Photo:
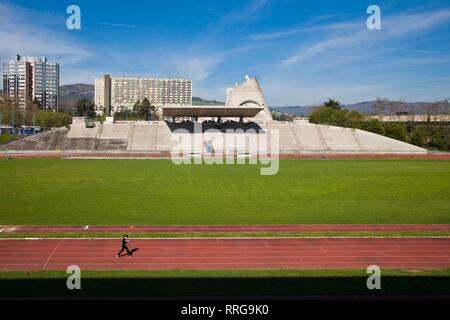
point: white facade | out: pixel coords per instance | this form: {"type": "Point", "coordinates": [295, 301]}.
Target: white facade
{"type": "Point", "coordinates": [102, 94]}
{"type": "Point", "coordinates": [249, 94]}
{"type": "Point", "coordinates": [126, 91]}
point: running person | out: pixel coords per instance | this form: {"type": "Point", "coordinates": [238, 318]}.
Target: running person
{"type": "Point", "coordinates": [125, 241]}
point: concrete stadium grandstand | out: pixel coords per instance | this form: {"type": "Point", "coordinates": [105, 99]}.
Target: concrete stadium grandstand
{"type": "Point", "coordinates": [245, 112]}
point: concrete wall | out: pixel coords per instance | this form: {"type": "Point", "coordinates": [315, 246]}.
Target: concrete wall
{"type": "Point", "coordinates": [159, 136]}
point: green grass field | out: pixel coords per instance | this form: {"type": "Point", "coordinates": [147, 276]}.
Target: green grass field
{"type": "Point", "coordinates": [133, 192]}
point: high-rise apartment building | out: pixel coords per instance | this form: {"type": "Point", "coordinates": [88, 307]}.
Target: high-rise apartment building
{"type": "Point", "coordinates": [126, 91]}
{"type": "Point", "coordinates": [17, 81]}
{"type": "Point", "coordinates": [45, 82]}
{"type": "Point", "coordinates": [102, 94]}
{"type": "Point", "coordinates": [29, 78]}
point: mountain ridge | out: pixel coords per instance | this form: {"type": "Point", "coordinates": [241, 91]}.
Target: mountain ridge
{"type": "Point", "coordinates": [366, 107]}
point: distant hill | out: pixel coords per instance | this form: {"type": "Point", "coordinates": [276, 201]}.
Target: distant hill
{"type": "Point", "coordinates": [71, 93]}
{"type": "Point", "coordinates": [366, 107]}
{"type": "Point", "coordinates": [294, 110]}
{"type": "Point", "coordinates": [202, 102]}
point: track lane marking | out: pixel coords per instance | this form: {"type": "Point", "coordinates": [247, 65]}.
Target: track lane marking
{"type": "Point", "coordinates": [51, 255]}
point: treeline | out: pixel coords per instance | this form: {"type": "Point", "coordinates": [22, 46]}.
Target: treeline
{"type": "Point", "coordinates": [434, 133]}
{"type": "Point", "coordinates": [32, 115]}
{"type": "Point", "coordinates": [142, 110]}
{"type": "Point", "coordinates": [280, 116]}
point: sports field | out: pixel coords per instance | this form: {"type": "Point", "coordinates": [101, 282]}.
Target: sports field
{"type": "Point", "coordinates": [157, 192]}
{"type": "Point", "coordinates": [307, 198]}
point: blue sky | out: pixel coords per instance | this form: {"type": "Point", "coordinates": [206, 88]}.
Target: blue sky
{"type": "Point", "coordinates": [301, 51]}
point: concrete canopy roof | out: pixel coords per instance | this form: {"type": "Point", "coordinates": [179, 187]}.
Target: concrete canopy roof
{"type": "Point", "coordinates": [210, 111]}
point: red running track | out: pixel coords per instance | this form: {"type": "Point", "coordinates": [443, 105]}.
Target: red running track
{"type": "Point", "coordinates": [234, 228]}
{"type": "Point", "coordinates": [237, 253]}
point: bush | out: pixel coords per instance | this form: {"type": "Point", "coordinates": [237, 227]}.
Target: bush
{"type": "Point", "coordinates": [373, 125]}
{"type": "Point", "coordinates": [50, 119]}
{"type": "Point", "coordinates": [440, 138]}
{"type": "Point", "coordinates": [395, 131]}
{"type": "Point", "coordinates": [85, 108]}
{"type": "Point", "coordinates": [419, 136]}
{"type": "Point", "coordinates": [332, 114]}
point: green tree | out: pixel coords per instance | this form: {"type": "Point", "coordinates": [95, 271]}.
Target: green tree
{"type": "Point", "coordinates": [144, 110]}
{"type": "Point", "coordinates": [373, 125]}
{"type": "Point", "coordinates": [331, 116]}
{"type": "Point", "coordinates": [440, 138]}
{"type": "Point", "coordinates": [52, 119]}
{"type": "Point", "coordinates": [419, 136]}
{"type": "Point", "coordinates": [125, 114]}
{"type": "Point", "coordinates": [137, 107]}
{"type": "Point", "coordinates": [322, 115]}
{"type": "Point", "coordinates": [354, 119]}
{"type": "Point", "coordinates": [101, 117]}
{"type": "Point", "coordinates": [11, 113]}
{"type": "Point", "coordinates": [85, 108]}
{"type": "Point", "coordinates": [333, 104]}
{"type": "Point", "coordinates": [395, 131]}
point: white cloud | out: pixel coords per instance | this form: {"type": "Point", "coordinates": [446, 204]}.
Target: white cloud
{"type": "Point", "coordinates": [256, 5]}
{"type": "Point", "coordinates": [199, 67]}
{"type": "Point", "coordinates": [418, 51]}
{"type": "Point", "coordinates": [324, 46]}
{"type": "Point", "coordinates": [280, 34]}
{"type": "Point", "coordinates": [22, 31]}
{"type": "Point", "coordinates": [121, 25]}
{"type": "Point", "coordinates": [196, 68]}
{"type": "Point", "coordinates": [393, 28]}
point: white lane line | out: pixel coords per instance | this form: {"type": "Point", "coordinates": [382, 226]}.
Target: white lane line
{"type": "Point", "coordinates": [86, 227]}
{"type": "Point", "coordinates": [53, 252]}
{"type": "Point", "coordinates": [382, 253]}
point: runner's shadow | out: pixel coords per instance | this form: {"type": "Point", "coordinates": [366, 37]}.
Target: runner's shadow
{"type": "Point", "coordinates": [132, 251]}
